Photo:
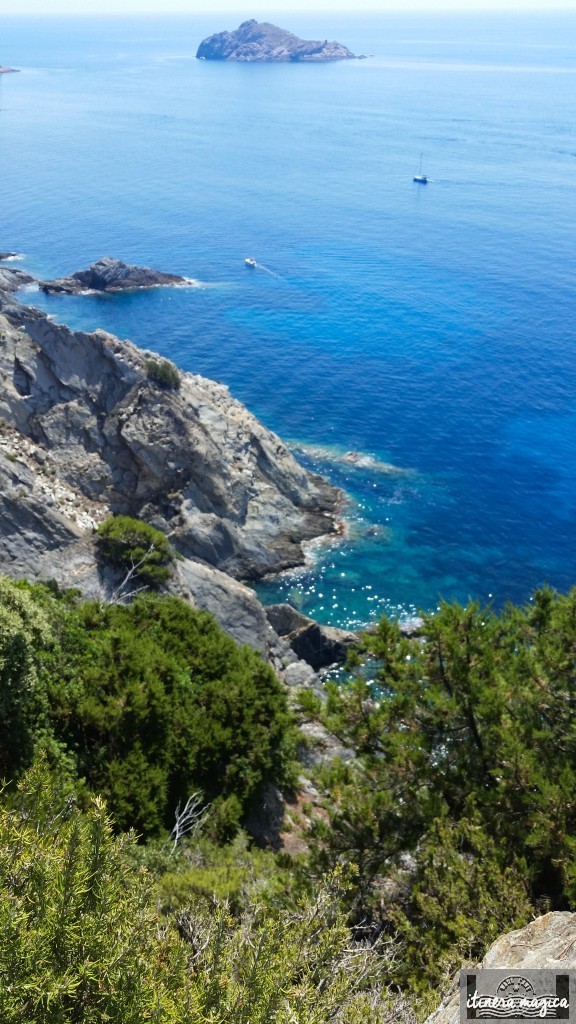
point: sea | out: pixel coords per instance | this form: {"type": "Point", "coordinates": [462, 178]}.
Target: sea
{"type": "Point", "coordinates": [415, 344]}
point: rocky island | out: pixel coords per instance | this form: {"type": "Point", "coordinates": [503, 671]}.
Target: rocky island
{"type": "Point", "coordinates": [105, 275]}
{"type": "Point", "coordinates": [110, 275]}
{"type": "Point", "coordinates": [261, 41]}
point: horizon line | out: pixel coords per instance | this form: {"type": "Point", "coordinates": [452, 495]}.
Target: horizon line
{"type": "Point", "coordinates": [403, 10]}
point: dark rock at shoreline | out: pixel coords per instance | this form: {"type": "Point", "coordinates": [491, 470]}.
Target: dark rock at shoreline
{"type": "Point", "coordinates": [8, 255]}
{"type": "Point", "coordinates": [318, 645]}
{"type": "Point", "coordinates": [261, 41]}
{"type": "Point", "coordinates": [110, 275]}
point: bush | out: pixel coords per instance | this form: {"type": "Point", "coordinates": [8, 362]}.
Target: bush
{"type": "Point", "coordinates": [82, 942]}
{"type": "Point", "coordinates": [24, 633]}
{"type": "Point", "coordinates": [156, 702]}
{"type": "Point", "coordinates": [163, 373]}
{"type": "Point", "coordinates": [131, 545]}
{"type": "Point", "coordinates": [145, 703]}
{"type": "Point", "coordinates": [80, 937]}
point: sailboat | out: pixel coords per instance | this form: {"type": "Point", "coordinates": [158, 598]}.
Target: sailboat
{"type": "Point", "coordinates": [422, 179]}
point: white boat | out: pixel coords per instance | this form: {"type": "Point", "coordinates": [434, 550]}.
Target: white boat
{"type": "Point", "coordinates": [250, 262]}
{"type": "Point", "coordinates": [422, 179]}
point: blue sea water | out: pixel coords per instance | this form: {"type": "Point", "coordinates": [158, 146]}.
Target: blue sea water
{"type": "Point", "coordinates": [429, 329]}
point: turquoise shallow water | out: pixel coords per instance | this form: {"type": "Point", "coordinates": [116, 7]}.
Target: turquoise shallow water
{"type": "Point", "coordinates": [430, 329]}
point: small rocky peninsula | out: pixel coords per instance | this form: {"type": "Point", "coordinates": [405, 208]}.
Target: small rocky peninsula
{"type": "Point", "coordinates": [105, 275]}
{"type": "Point", "coordinates": [92, 426]}
{"type": "Point", "coordinates": [261, 41]}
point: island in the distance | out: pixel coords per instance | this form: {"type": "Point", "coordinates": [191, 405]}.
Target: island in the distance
{"type": "Point", "coordinates": [261, 41]}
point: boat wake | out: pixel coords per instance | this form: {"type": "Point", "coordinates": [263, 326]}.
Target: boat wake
{"type": "Point", "coordinates": [267, 270]}
{"type": "Point", "coordinates": [250, 262]}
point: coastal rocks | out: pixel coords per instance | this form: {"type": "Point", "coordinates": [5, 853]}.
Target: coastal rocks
{"type": "Point", "coordinates": [548, 942]}
{"type": "Point", "coordinates": [319, 646]}
{"type": "Point", "coordinates": [299, 676]}
{"type": "Point", "coordinates": [29, 525]}
{"type": "Point", "coordinates": [233, 605]}
{"type": "Point", "coordinates": [110, 275]}
{"type": "Point", "coordinates": [186, 457]}
{"type": "Point", "coordinates": [12, 280]}
{"type": "Point", "coordinates": [261, 41]}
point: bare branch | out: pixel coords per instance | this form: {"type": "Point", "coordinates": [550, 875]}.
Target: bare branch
{"type": "Point", "coordinates": [121, 594]}
{"type": "Point", "coordinates": [190, 819]}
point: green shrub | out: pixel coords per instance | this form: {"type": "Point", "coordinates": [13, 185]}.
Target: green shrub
{"type": "Point", "coordinates": [80, 937]}
{"type": "Point", "coordinates": [236, 873]}
{"type": "Point", "coordinates": [25, 632]}
{"type": "Point", "coordinates": [146, 703]}
{"type": "Point", "coordinates": [133, 546]}
{"type": "Point", "coordinates": [156, 702]}
{"type": "Point", "coordinates": [82, 942]}
{"type": "Point", "coordinates": [163, 373]}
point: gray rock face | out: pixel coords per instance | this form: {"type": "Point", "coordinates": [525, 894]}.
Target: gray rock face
{"type": "Point", "coordinates": [110, 275]}
{"type": "Point", "coordinates": [191, 460]}
{"type": "Point", "coordinates": [233, 605]}
{"type": "Point", "coordinates": [261, 41]}
{"type": "Point", "coordinates": [547, 942]}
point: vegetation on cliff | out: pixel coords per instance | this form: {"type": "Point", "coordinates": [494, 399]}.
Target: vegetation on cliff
{"type": "Point", "coordinates": [460, 808]}
{"type": "Point", "coordinates": [82, 941]}
{"type": "Point", "coordinates": [455, 821]}
{"type": "Point", "coordinates": [142, 552]}
{"type": "Point", "coordinates": [142, 704]}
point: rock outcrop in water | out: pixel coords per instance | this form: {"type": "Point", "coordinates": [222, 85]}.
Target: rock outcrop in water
{"type": "Point", "coordinates": [261, 41]}
{"type": "Point", "coordinates": [110, 275]}
{"type": "Point", "coordinates": [87, 429]}
{"type": "Point", "coordinates": [105, 275]}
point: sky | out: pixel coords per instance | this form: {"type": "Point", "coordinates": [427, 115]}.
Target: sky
{"type": "Point", "coordinates": [240, 10]}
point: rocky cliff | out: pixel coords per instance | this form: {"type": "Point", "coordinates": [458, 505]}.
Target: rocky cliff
{"type": "Point", "coordinates": [90, 426]}
{"type": "Point", "coordinates": [261, 41]}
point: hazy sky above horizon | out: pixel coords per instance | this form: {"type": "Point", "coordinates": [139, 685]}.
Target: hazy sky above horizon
{"type": "Point", "coordinates": [240, 10]}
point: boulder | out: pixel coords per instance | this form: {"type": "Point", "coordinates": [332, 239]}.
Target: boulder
{"type": "Point", "coordinates": [299, 675]}
{"type": "Point", "coordinates": [234, 606]}
{"type": "Point", "coordinates": [261, 41]}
